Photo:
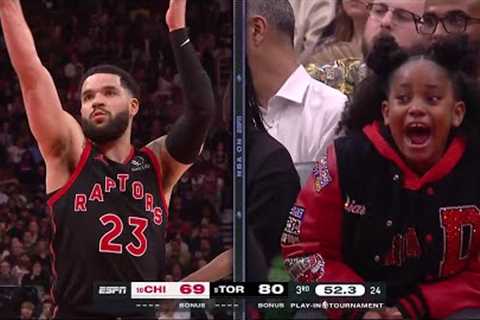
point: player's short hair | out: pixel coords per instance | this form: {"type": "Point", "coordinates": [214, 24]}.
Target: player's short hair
{"type": "Point", "coordinates": [279, 14]}
{"type": "Point", "coordinates": [126, 79]}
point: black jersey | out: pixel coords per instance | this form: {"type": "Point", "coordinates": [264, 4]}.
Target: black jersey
{"type": "Point", "coordinates": [108, 225]}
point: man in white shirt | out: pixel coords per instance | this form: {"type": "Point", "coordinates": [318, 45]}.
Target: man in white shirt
{"type": "Point", "coordinates": [299, 111]}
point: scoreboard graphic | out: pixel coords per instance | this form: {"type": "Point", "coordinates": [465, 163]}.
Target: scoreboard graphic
{"type": "Point", "coordinates": [267, 295]}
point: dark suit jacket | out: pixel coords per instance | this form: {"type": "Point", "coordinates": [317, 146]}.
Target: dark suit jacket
{"type": "Point", "coordinates": [271, 188]}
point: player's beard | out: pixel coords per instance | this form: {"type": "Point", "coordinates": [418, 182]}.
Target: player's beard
{"type": "Point", "coordinates": [112, 130]}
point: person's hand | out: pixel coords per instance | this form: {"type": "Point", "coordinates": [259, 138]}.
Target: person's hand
{"type": "Point", "coordinates": [391, 313]}
{"type": "Point", "coordinates": [175, 16]}
{"type": "Point", "coordinates": [386, 313]}
{"type": "Point", "coordinates": [372, 315]}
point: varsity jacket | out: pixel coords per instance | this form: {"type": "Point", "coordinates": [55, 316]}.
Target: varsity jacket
{"type": "Point", "coordinates": [364, 215]}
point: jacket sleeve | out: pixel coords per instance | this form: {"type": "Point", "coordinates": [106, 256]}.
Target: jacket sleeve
{"type": "Point", "coordinates": [270, 197]}
{"type": "Point", "coordinates": [312, 238]}
{"type": "Point", "coordinates": [443, 298]}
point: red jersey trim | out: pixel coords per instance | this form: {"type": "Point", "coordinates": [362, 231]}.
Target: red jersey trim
{"type": "Point", "coordinates": [158, 170]}
{"type": "Point", "coordinates": [130, 155]}
{"type": "Point", "coordinates": [78, 169]}
{"type": "Point", "coordinates": [52, 262]}
{"type": "Point", "coordinates": [412, 181]}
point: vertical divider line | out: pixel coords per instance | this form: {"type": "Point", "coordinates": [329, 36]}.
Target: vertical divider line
{"type": "Point", "coordinates": [239, 172]}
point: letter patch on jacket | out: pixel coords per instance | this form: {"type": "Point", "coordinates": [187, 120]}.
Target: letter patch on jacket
{"type": "Point", "coordinates": [306, 269]}
{"type": "Point", "coordinates": [321, 175]}
{"type": "Point", "coordinates": [292, 227]}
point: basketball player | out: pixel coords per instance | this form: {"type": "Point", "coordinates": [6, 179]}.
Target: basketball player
{"type": "Point", "coordinates": [108, 200]}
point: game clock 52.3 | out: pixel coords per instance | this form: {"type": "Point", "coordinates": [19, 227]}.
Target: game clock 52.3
{"type": "Point", "coordinates": [340, 290]}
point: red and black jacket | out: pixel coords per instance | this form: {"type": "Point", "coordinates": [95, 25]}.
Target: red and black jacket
{"type": "Point", "coordinates": [364, 215]}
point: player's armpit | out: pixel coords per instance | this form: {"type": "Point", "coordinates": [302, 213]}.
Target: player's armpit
{"type": "Point", "coordinates": [441, 299]}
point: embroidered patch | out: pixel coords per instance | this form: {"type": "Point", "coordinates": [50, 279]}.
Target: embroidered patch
{"type": "Point", "coordinates": [288, 239]}
{"type": "Point", "coordinates": [297, 212]}
{"type": "Point", "coordinates": [352, 207]}
{"type": "Point", "coordinates": [291, 232]}
{"type": "Point", "coordinates": [293, 226]}
{"type": "Point", "coordinates": [306, 269]}
{"type": "Point", "coordinates": [321, 174]}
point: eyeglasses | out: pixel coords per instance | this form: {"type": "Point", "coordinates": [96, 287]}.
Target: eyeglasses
{"type": "Point", "coordinates": [399, 16]}
{"type": "Point", "coordinates": [453, 22]}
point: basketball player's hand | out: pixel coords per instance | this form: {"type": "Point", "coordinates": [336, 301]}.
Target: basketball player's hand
{"type": "Point", "coordinates": [175, 16]}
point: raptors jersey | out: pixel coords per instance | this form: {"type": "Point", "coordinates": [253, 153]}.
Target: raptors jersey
{"type": "Point", "coordinates": [108, 225]}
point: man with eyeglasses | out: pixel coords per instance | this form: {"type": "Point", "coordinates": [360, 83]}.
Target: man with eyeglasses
{"type": "Point", "coordinates": [394, 17]}
{"type": "Point", "coordinates": [386, 17]}
{"type": "Point", "coordinates": [451, 17]}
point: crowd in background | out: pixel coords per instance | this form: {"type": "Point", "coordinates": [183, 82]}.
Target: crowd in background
{"type": "Point", "coordinates": [72, 36]}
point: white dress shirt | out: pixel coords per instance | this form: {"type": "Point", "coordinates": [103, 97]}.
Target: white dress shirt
{"type": "Point", "coordinates": [303, 115]}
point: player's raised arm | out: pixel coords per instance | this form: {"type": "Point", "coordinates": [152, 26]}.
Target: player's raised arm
{"type": "Point", "coordinates": [51, 126]}
{"type": "Point", "coordinates": [179, 149]}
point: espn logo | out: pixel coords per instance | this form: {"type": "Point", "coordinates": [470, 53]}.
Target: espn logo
{"type": "Point", "coordinates": [112, 290]}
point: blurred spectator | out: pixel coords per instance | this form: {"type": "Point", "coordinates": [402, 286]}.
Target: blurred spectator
{"type": "Point", "coordinates": [3, 198]}
{"type": "Point", "coordinates": [33, 229]}
{"type": "Point", "coordinates": [47, 310]}
{"type": "Point", "coordinates": [25, 168]}
{"type": "Point", "coordinates": [22, 267]}
{"type": "Point", "coordinates": [26, 310]}
{"type": "Point", "coordinates": [169, 309]}
{"type": "Point", "coordinates": [176, 271]}
{"type": "Point", "coordinates": [5, 134]}
{"type": "Point", "coordinates": [345, 74]}
{"type": "Point", "coordinates": [177, 250]}
{"type": "Point", "coordinates": [42, 253]}
{"type": "Point", "coordinates": [38, 277]}
{"type": "Point", "coordinates": [346, 34]}
{"type": "Point", "coordinates": [220, 157]}
{"type": "Point", "coordinates": [395, 17]}
{"type": "Point", "coordinates": [28, 240]}
{"type": "Point", "coordinates": [16, 150]}
{"type": "Point", "coordinates": [15, 252]}
{"type": "Point", "coordinates": [6, 277]}
{"type": "Point", "coordinates": [311, 18]}
{"type": "Point", "coordinates": [446, 17]}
